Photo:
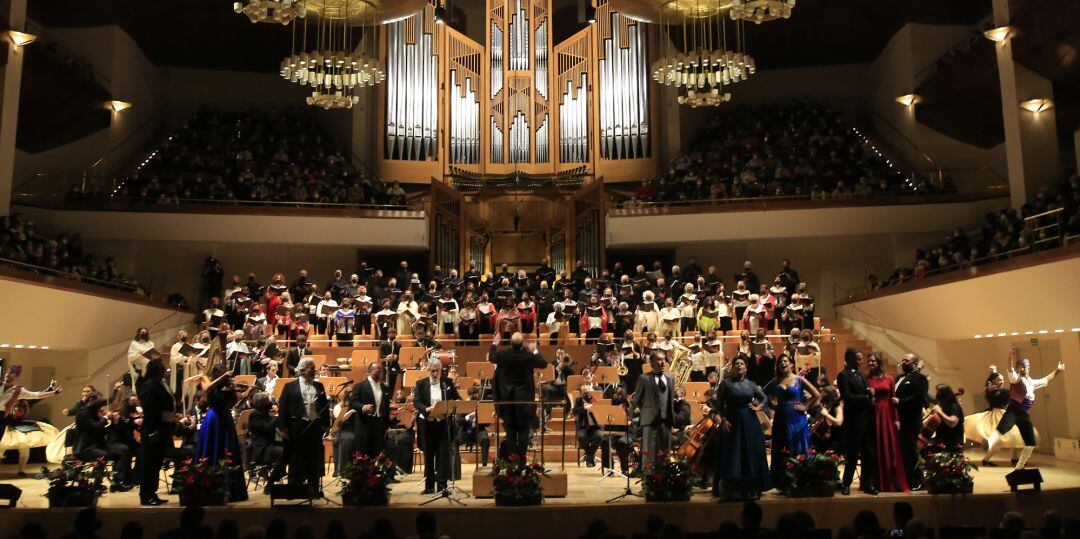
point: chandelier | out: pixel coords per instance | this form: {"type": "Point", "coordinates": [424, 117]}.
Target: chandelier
{"type": "Point", "coordinates": [334, 53]}
{"type": "Point", "coordinates": [759, 11]}
{"type": "Point", "coordinates": [710, 57]}
{"type": "Point", "coordinates": [273, 11]}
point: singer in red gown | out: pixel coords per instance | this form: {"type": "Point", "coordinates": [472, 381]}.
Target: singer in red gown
{"type": "Point", "coordinates": [891, 476]}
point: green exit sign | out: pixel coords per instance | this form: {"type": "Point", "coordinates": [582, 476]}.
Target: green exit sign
{"type": "Point", "coordinates": [1034, 342]}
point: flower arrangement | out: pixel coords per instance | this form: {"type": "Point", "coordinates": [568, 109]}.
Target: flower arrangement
{"type": "Point", "coordinates": [813, 474]}
{"type": "Point", "coordinates": [366, 480]}
{"type": "Point", "coordinates": [947, 472]}
{"type": "Point", "coordinates": [76, 483]}
{"type": "Point", "coordinates": [202, 482]}
{"type": "Point", "coordinates": [666, 478]}
{"type": "Point", "coordinates": [517, 482]}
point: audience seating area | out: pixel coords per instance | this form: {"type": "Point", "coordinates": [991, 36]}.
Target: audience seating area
{"type": "Point", "coordinates": [1001, 235]}
{"type": "Point", "coordinates": [21, 246]}
{"type": "Point", "coordinates": [259, 156]}
{"type": "Point", "coordinates": [797, 149]}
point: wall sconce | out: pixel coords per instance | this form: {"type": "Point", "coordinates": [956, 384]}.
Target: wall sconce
{"type": "Point", "coordinates": [590, 12]}
{"type": "Point", "coordinates": [118, 106]}
{"type": "Point", "coordinates": [440, 14]}
{"type": "Point", "coordinates": [21, 39]}
{"type": "Point", "coordinates": [1036, 106]}
{"type": "Point", "coordinates": [999, 34]}
{"type": "Point", "coordinates": [909, 100]}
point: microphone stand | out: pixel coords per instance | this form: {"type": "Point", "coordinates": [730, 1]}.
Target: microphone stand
{"type": "Point", "coordinates": [628, 492]}
{"type": "Point", "coordinates": [448, 492]}
{"type": "Point", "coordinates": [611, 471]}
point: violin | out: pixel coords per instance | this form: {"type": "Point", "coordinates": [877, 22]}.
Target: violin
{"type": "Point", "coordinates": [931, 423]}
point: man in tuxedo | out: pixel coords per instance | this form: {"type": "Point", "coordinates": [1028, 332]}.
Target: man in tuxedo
{"type": "Point", "coordinates": [267, 383]}
{"type": "Point", "coordinates": [590, 436]}
{"type": "Point", "coordinates": [296, 354]}
{"type": "Point", "coordinates": [371, 400]}
{"type": "Point", "coordinates": [912, 396]}
{"type": "Point", "coordinates": [514, 381]}
{"type": "Point", "coordinates": [858, 400]}
{"type": "Point", "coordinates": [159, 418]}
{"type": "Point", "coordinates": [390, 353]}
{"type": "Point", "coordinates": [435, 430]}
{"type": "Point", "coordinates": [304, 417]}
{"type": "Point", "coordinates": [655, 402]}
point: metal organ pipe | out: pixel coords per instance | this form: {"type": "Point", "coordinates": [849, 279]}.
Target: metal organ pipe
{"type": "Point", "coordinates": [624, 131]}
{"type": "Point", "coordinates": [411, 90]}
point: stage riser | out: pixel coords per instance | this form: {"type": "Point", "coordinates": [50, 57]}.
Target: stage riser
{"type": "Point", "coordinates": [571, 520]}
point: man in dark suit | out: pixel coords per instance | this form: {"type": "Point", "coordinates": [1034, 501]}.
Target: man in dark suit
{"type": "Point", "coordinates": [655, 402]}
{"type": "Point", "coordinates": [91, 444]}
{"type": "Point", "coordinates": [390, 352]}
{"type": "Point", "coordinates": [435, 431]}
{"type": "Point", "coordinates": [159, 417]}
{"type": "Point", "coordinates": [296, 354]}
{"type": "Point", "coordinates": [304, 417]}
{"type": "Point", "coordinates": [371, 400]}
{"type": "Point", "coordinates": [513, 381]}
{"type": "Point", "coordinates": [262, 430]}
{"type": "Point", "coordinates": [912, 396]}
{"type": "Point", "coordinates": [858, 400]}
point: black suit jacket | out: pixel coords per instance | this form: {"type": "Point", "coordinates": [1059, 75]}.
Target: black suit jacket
{"type": "Point", "coordinates": [92, 430]}
{"type": "Point", "coordinates": [262, 428]}
{"type": "Point", "coordinates": [422, 393]}
{"type": "Point", "coordinates": [853, 390]}
{"type": "Point", "coordinates": [580, 416]}
{"type": "Point", "coordinates": [387, 348]}
{"type": "Point", "coordinates": [291, 412]}
{"type": "Point", "coordinates": [293, 359]}
{"type": "Point", "coordinates": [912, 390]}
{"type": "Point", "coordinates": [159, 405]}
{"type": "Point", "coordinates": [513, 381]}
{"type": "Point", "coordinates": [362, 394]}
{"type": "Point", "coordinates": [647, 399]}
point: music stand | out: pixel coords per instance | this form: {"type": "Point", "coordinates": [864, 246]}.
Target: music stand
{"type": "Point", "coordinates": [481, 370]}
{"type": "Point", "coordinates": [448, 410]}
{"type": "Point", "coordinates": [626, 422]}
{"type": "Point", "coordinates": [606, 376]}
{"type": "Point", "coordinates": [608, 416]}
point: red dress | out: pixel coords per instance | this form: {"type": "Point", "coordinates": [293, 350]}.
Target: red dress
{"type": "Point", "coordinates": [891, 476]}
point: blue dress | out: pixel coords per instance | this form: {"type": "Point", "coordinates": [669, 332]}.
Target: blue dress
{"type": "Point", "coordinates": [741, 467]}
{"type": "Point", "coordinates": [217, 436]}
{"type": "Point", "coordinates": [790, 433]}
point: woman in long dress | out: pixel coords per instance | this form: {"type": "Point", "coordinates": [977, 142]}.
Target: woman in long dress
{"type": "Point", "coordinates": [218, 441]}
{"type": "Point", "coordinates": [741, 470]}
{"type": "Point", "coordinates": [979, 426]}
{"type": "Point", "coordinates": [345, 427]}
{"type": "Point", "coordinates": [791, 433]}
{"type": "Point", "coordinates": [891, 476]}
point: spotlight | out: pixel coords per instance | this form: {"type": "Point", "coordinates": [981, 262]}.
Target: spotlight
{"type": "Point", "coordinates": [440, 14]}
{"type": "Point", "coordinates": [999, 34]}
{"type": "Point", "coordinates": [118, 106]}
{"type": "Point", "coordinates": [909, 100]}
{"type": "Point", "coordinates": [1036, 106]}
{"type": "Point", "coordinates": [590, 12]}
{"type": "Point", "coordinates": [21, 39]}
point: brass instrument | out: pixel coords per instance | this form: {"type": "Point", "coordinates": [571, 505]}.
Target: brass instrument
{"type": "Point", "coordinates": [681, 365]}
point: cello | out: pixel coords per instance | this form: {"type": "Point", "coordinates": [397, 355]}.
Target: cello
{"type": "Point", "coordinates": [931, 422]}
{"type": "Point", "coordinates": [693, 449]}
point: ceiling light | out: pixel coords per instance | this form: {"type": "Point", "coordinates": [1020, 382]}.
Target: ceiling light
{"type": "Point", "coordinates": [32, 347]}
{"type": "Point", "coordinates": [988, 335]}
{"type": "Point", "coordinates": [44, 347]}
{"type": "Point", "coordinates": [21, 39]}
{"type": "Point", "coordinates": [1059, 331]}
{"type": "Point", "coordinates": [118, 106]}
{"type": "Point", "coordinates": [1037, 105]}
{"type": "Point", "coordinates": [759, 11]}
{"type": "Point", "coordinates": [1075, 329]}
{"type": "Point", "coordinates": [5, 346]}
{"type": "Point", "coordinates": [909, 100]}
{"type": "Point", "coordinates": [1029, 332]}
{"type": "Point", "coordinates": [1015, 333]}
{"type": "Point", "coordinates": [1043, 332]}
{"type": "Point", "coordinates": [18, 346]}
{"type": "Point", "coordinates": [1002, 334]}
{"type": "Point", "coordinates": [978, 336]}
{"type": "Point", "coordinates": [999, 34]}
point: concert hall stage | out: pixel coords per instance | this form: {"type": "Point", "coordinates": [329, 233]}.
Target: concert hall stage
{"type": "Point", "coordinates": [569, 517]}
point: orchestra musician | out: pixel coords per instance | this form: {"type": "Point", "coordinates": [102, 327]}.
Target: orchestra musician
{"type": "Point", "coordinates": [371, 401]}
{"type": "Point", "coordinates": [266, 450]}
{"type": "Point", "coordinates": [435, 430]}
{"type": "Point", "coordinates": [93, 427]}
{"type": "Point", "coordinates": [513, 381]}
{"type": "Point", "coordinates": [304, 417]}
{"type": "Point", "coordinates": [588, 431]}
{"type": "Point", "coordinates": [949, 433]}
{"type": "Point", "coordinates": [218, 439]}
{"type": "Point", "coordinates": [390, 354]}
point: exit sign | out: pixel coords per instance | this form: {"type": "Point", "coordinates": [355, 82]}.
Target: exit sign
{"type": "Point", "coordinates": [1034, 342]}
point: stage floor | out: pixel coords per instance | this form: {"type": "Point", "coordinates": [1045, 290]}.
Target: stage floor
{"type": "Point", "coordinates": [586, 502]}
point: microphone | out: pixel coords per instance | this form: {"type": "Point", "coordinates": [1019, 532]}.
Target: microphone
{"type": "Point", "coordinates": [350, 382]}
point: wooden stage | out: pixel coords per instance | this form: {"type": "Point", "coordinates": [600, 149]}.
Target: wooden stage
{"type": "Point", "coordinates": [569, 516]}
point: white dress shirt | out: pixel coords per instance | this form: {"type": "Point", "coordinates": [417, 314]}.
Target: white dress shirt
{"type": "Point", "coordinates": [376, 390]}
{"type": "Point", "coordinates": [309, 394]}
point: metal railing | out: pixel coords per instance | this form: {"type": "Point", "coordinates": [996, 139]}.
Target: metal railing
{"type": "Point", "coordinates": [67, 275]}
{"type": "Point", "coordinates": [414, 208]}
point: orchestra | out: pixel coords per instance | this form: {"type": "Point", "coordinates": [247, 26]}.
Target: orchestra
{"type": "Point", "coordinates": [191, 401]}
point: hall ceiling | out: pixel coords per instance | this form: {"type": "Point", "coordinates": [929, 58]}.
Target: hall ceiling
{"type": "Point", "coordinates": [207, 34]}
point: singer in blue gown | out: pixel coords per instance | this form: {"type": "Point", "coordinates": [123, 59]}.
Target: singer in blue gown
{"type": "Point", "coordinates": [217, 435]}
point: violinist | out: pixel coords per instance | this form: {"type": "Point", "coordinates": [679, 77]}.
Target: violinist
{"type": "Point", "coordinates": [949, 433]}
{"type": "Point", "coordinates": [911, 399]}
{"type": "Point", "coordinates": [828, 418]}
{"type": "Point", "coordinates": [93, 425]}
{"type": "Point", "coordinates": [217, 436]}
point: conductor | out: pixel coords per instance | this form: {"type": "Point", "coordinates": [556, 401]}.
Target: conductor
{"type": "Point", "coordinates": [513, 381]}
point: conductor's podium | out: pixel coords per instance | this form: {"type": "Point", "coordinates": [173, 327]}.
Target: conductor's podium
{"type": "Point", "coordinates": [552, 485]}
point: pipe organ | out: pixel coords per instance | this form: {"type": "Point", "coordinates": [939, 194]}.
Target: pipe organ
{"type": "Point", "coordinates": [412, 89]}
{"type": "Point", "coordinates": [623, 73]}
{"type": "Point", "coordinates": [519, 102]}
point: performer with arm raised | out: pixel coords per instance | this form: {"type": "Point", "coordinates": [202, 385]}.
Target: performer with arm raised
{"type": "Point", "coordinates": [513, 381]}
{"type": "Point", "coordinates": [1021, 399]}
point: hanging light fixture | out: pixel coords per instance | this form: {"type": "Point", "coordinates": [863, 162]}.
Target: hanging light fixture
{"type": "Point", "coordinates": [272, 11]}
{"type": "Point", "coordinates": [759, 11]}
{"type": "Point", "coordinates": [336, 55]}
{"type": "Point", "coordinates": [711, 57]}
